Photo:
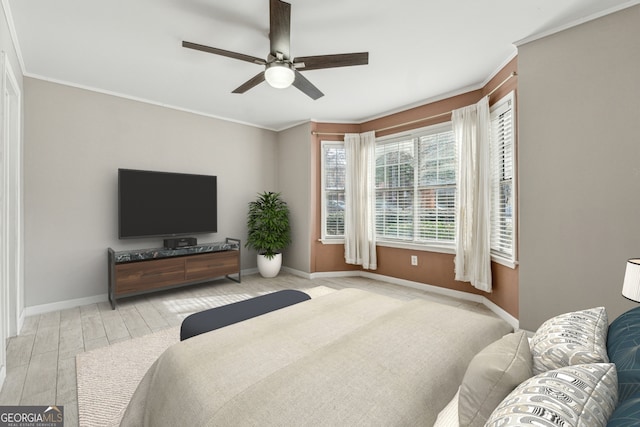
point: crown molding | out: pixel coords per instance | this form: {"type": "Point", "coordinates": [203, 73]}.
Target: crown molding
{"type": "Point", "coordinates": [575, 23]}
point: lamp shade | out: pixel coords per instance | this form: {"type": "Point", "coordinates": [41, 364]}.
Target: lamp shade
{"type": "Point", "coordinates": [279, 75]}
{"type": "Point", "coordinates": [631, 285]}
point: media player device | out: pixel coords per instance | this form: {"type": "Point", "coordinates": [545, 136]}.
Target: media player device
{"type": "Point", "coordinates": [182, 242]}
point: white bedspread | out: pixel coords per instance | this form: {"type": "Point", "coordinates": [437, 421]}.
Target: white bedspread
{"type": "Point", "coordinates": [347, 358]}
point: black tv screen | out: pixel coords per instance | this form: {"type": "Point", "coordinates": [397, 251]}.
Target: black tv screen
{"type": "Point", "coordinates": [165, 204]}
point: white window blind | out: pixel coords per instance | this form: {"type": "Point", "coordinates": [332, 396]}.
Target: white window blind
{"type": "Point", "coordinates": [503, 179]}
{"type": "Point", "coordinates": [437, 187]}
{"type": "Point", "coordinates": [333, 178]}
{"type": "Point", "coordinates": [394, 189]}
{"type": "Point", "coordinates": [415, 187]}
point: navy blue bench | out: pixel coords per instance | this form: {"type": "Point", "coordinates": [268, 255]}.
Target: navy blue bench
{"type": "Point", "coordinates": [214, 318]}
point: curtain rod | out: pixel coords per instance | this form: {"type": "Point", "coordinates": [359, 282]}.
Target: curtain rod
{"type": "Point", "coordinates": [435, 116]}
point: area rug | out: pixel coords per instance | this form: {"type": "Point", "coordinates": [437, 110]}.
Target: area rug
{"type": "Point", "coordinates": [108, 377]}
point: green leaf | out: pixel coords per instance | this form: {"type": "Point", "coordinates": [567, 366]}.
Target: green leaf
{"type": "Point", "coordinates": [269, 231]}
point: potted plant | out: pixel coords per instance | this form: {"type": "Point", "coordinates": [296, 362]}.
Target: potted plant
{"type": "Point", "coordinates": [269, 231]}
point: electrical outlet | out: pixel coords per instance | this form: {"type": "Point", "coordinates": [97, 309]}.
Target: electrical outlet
{"type": "Point", "coordinates": [414, 260]}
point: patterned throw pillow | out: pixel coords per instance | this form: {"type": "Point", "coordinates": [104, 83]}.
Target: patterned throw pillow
{"type": "Point", "coordinates": [571, 339]}
{"type": "Point", "coordinates": [580, 395]}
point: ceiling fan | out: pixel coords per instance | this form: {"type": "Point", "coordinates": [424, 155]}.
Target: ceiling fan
{"type": "Point", "coordinates": [281, 70]}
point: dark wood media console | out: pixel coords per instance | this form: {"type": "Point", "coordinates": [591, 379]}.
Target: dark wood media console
{"type": "Point", "coordinates": [148, 270]}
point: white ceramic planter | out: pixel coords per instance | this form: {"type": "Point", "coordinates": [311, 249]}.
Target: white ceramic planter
{"type": "Point", "coordinates": [269, 267]}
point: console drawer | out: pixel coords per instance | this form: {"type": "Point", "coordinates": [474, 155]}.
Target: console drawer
{"type": "Point", "coordinates": [198, 267]}
{"type": "Point", "coordinates": [145, 275]}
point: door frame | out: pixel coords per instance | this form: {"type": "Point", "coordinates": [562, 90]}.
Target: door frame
{"type": "Point", "coordinates": [11, 217]}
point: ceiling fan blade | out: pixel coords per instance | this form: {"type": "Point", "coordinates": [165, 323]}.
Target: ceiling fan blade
{"type": "Point", "coordinates": [306, 86]}
{"type": "Point", "coordinates": [331, 61]}
{"type": "Point", "coordinates": [254, 81]}
{"type": "Point", "coordinates": [227, 53]}
{"type": "Point", "coordinates": [280, 27]}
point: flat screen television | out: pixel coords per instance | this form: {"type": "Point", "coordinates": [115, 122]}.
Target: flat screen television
{"type": "Point", "coordinates": [165, 204]}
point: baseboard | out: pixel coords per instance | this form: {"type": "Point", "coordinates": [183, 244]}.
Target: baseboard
{"type": "Point", "coordinates": [330, 274]}
{"type": "Point", "coordinates": [21, 318]}
{"type": "Point", "coordinates": [63, 305]}
{"type": "Point", "coordinates": [402, 282]}
{"type": "Point", "coordinates": [499, 311]}
{"type": "Point", "coordinates": [515, 323]}
{"type": "Point", "coordinates": [248, 271]}
{"type": "Point", "coordinates": [424, 287]}
{"type": "Point", "coordinates": [295, 272]}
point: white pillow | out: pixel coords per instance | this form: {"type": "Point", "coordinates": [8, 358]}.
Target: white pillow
{"type": "Point", "coordinates": [580, 395]}
{"type": "Point", "coordinates": [491, 375]}
{"type": "Point", "coordinates": [448, 417]}
{"type": "Point", "coordinates": [571, 339]}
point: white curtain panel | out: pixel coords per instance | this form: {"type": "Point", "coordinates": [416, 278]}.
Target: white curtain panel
{"type": "Point", "coordinates": [360, 215]}
{"type": "Point", "coordinates": [471, 127]}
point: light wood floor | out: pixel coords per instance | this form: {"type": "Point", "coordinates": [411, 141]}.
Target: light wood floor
{"type": "Point", "coordinates": [41, 366]}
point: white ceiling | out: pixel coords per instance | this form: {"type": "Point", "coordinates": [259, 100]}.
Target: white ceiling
{"type": "Point", "coordinates": [419, 50]}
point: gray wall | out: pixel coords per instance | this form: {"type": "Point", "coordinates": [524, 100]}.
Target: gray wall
{"type": "Point", "coordinates": [579, 166]}
{"type": "Point", "coordinates": [75, 140]}
{"type": "Point", "coordinates": [294, 182]}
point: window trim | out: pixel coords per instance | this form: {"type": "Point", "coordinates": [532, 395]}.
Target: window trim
{"type": "Point", "coordinates": [442, 249]}
{"type": "Point", "coordinates": [324, 238]}
{"type": "Point", "coordinates": [500, 258]}
{"type": "Point", "coordinates": [448, 248]}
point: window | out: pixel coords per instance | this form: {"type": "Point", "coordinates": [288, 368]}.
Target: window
{"type": "Point", "coordinates": [416, 187]}
{"type": "Point", "coordinates": [503, 188]}
{"type": "Point", "coordinates": [333, 176]}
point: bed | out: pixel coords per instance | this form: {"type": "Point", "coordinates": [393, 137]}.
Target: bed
{"type": "Point", "coordinates": [584, 372]}
{"type": "Point", "coordinates": [347, 358]}
{"type": "Point", "coordinates": [358, 358]}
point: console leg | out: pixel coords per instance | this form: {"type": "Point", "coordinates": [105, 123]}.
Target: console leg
{"type": "Point", "coordinates": [237, 280]}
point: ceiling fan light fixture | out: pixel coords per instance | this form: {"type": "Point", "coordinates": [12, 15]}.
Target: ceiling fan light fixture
{"type": "Point", "coordinates": [279, 75]}
{"type": "Point", "coordinates": [280, 70]}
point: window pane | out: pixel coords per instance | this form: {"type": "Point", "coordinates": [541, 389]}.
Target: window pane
{"type": "Point", "coordinates": [394, 189]}
{"type": "Point", "coordinates": [394, 164]}
{"type": "Point", "coordinates": [415, 188]}
{"type": "Point", "coordinates": [334, 213]}
{"type": "Point", "coordinates": [335, 164]}
{"type": "Point", "coordinates": [334, 173]}
{"type": "Point", "coordinates": [437, 214]}
{"type": "Point", "coordinates": [502, 186]}
{"type": "Point", "coordinates": [436, 217]}
{"type": "Point", "coordinates": [394, 214]}
{"type": "Point", "coordinates": [437, 159]}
